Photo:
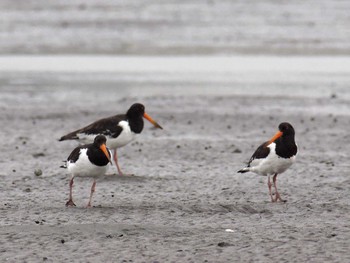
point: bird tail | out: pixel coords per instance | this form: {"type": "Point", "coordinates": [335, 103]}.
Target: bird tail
{"type": "Point", "coordinates": [69, 136]}
{"type": "Point", "coordinates": [64, 165]}
{"type": "Point", "coordinates": [244, 170]}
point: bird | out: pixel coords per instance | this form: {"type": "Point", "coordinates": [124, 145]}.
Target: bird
{"type": "Point", "coordinates": [88, 160]}
{"type": "Point", "coordinates": [119, 129]}
{"type": "Point", "coordinates": [274, 157]}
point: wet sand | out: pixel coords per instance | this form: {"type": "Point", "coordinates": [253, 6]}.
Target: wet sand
{"type": "Point", "coordinates": [185, 191]}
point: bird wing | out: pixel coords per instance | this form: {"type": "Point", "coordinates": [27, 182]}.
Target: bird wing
{"type": "Point", "coordinates": [261, 152]}
{"type": "Point", "coordinates": [107, 126]}
{"type": "Point", "coordinates": [74, 156]}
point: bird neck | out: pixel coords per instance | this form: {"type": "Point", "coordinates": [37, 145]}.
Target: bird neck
{"type": "Point", "coordinates": [286, 147]}
{"type": "Point", "coordinates": [97, 156]}
{"type": "Point", "coordinates": [136, 124]}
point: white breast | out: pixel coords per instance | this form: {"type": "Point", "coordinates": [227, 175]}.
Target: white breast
{"type": "Point", "coordinates": [124, 137]}
{"type": "Point", "coordinates": [272, 164]}
{"type": "Point", "coordinates": [83, 166]}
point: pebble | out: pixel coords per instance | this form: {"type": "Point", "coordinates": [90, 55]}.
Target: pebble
{"type": "Point", "coordinates": [38, 172]}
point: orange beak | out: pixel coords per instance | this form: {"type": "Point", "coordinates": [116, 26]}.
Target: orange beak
{"type": "Point", "coordinates": [105, 151]}
{"type": "Point", "coordinates": [276, 136]}
{"type": "Point", "coordinates": [147, 117]}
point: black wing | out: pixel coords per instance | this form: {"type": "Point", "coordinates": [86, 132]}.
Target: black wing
{"type": "Point", "coordinates": [74, 156]}
{"type": "Point", "coordinates": [262, 152]}
{"type": "Point", "coordinates": [107, 126]}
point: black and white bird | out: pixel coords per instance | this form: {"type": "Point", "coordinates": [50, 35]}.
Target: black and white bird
{"type": "Point", "coordinates": [119, 129]}
{"type": "Point", "coordinates": [274, 157]}
{"type": "Point", "coordinates": [88, 160]}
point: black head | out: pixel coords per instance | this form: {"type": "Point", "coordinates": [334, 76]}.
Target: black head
{"type": "Point", "coordinates": [100, 143]}
{"type": "Point", "coordinates": [286, 128]}
{"type": "Point", "coordinates": [100, 140]}
{"type": "Point", "coordinates": [136, 110]}
{"type": "Point", "coordinates": [285, 131]}
{"type": "Point", "coordinates": [135, 114]}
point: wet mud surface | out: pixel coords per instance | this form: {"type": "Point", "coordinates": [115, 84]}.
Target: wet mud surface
{"type": "Point", "coordinates": [185, 192]}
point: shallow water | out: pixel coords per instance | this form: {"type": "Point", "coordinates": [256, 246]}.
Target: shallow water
{"type": "Point", "coordinates": [172, 27]}
{"type": "Point", "coordinates": [313, 77]}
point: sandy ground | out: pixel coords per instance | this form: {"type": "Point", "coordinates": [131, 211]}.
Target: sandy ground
{"type": "Point", "coordinates": [185, 192]}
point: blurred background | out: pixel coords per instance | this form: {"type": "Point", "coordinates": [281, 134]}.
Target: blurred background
{"type": "Point", "coordinates": [138, 27]}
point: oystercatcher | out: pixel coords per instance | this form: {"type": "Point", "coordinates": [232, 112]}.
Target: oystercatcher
{"type": "Point", "coordinates": [88, 160]}
{"type": "Point", "coordinates": [274, 157]}
{"type": "Point", "coordinates": [119, 129]}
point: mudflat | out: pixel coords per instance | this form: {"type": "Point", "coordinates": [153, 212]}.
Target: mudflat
{"type": "Point", "coordinates": [185, 201]}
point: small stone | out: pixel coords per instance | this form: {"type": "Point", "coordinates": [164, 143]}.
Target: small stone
{"type": "Point", "coordinates": [38, 172]}
{"type": "Point", "coordinates": [223, 244]}
{"type": "Point", "coordinates": [62, 241]}
{"type": "Point", "coordinates": [37, 155]}
{"type": "Point", "coordinates": [237, 151]}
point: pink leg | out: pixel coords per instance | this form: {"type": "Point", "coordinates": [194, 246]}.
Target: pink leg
{"type": "Point", "coordinates": [269, 184]}
{"type": "Point", "coordinates": [278, 197]}
{"type": "Point", "coordinates": [70, 201]}
{"type": "Point", "coordinates": [115, 158]}
{"type": "Point", "coordinates": [91, 193]}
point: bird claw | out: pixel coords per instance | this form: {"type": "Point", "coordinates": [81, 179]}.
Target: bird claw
{"type": "Point", "coordinates": [70, 203]}
{"type": "Point", "coordinates": [278, 197]}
